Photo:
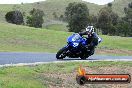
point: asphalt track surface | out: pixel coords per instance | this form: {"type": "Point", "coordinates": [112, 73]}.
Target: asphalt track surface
{"type": "Point", "coordinates": [27, 57]}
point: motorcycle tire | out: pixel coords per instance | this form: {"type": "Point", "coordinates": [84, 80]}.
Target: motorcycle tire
{"type": "Point", "coordinates": [83, 58]}
{"type": "Point", "coordinates": [61, 53]}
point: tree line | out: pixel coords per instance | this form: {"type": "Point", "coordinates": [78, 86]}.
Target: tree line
{"type": "Point", "coordinates": [78, 17]}
{"type": "Point", "coordinates": [107, 21]}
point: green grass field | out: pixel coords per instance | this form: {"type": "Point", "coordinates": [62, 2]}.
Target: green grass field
{"type": "Point", "coordinates": [28, 39]}
{"type": "Point", "coordinates": [22, 38]}
{"type": "Point", "coordinates": [53, 74]}
{"type": "Point", "coordinates": [116, 42]}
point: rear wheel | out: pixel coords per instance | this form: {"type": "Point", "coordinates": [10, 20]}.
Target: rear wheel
{"type": "Point", "coordinates": [83, 58]}
{"type": "Point", "coordinates": [61, 53]}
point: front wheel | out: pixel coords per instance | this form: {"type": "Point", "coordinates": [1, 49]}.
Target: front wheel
{"type": "Point", "coordinates": [61, 53]}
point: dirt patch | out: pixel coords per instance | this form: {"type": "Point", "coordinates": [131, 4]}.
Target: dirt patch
{"type": "Point", "coordinates": [62, 80]}
{"type": "Point", "coordinates": [113, 51]}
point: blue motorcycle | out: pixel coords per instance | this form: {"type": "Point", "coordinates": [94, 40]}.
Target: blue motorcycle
{"type": "Point", "coordinates": [75, 48]}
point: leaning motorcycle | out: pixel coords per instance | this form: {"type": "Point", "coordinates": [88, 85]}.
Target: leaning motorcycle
{"type": "Point", "coordinates": [75, 48]}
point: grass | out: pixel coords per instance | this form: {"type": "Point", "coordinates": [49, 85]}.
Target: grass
{"type": "Point", "coordinates": [22, 38]}
{"type": "Point", "coordinates": [116, 42]}
{"type": "Point", "coordinates": [16, 38]}
{"type": "Point", "coordinates": [39, 76]}
{"type": "Point", "coordinates": [118, 6]}
{"type": "Point", "coordinates": [57, 27]}
{"type": "Point", "coordinates": [18, 78]}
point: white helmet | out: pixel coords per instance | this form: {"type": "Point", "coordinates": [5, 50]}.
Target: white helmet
{"type": "Point", "coordinates": [90, 29]}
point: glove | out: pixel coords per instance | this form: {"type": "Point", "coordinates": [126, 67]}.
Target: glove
{"type": "Point", "coordinates": [99, 40]}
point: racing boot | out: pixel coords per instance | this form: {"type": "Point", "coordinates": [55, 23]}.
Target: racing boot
{"type": "Point", "coordinates": [92, 49]}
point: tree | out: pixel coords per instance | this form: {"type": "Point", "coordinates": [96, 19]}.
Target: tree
{"type": "Point", "coordinates": [15, 17]}
{"type": "Point", "coordinates": [109, 4]}
{"type": "Point", "coordinates": [127, 20]}
{"type": "Point", "coordinates": [55, 15]}
{"type": "Point", "coordinates": [92, 19]}
{"type": "Point", "coordinates": [130, 5]}
{"type": "Point", "coordinates": [128, 12]}
{"type": "Point", "coordinates": [22, 3]}
{"type": "Point", "coordinates": [77, 16]}
{"type": "Point", "coordinates": [124, 29]}
{"type": "Point", "coordinates": [107, 19]}
{"type": "Point", "coordinates": [36, 18]}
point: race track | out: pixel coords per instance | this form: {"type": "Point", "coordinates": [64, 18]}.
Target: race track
{"type": "Point", "coordinates": [26, 57]}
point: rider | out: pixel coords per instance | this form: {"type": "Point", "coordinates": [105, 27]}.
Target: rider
{"type": "Point", "coordinates": [92, 40]}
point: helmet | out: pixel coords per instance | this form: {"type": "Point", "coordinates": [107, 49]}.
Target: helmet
{"type": "Point", "coordinates": [90, 29]}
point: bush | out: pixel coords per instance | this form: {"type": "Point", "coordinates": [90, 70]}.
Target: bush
{"type": "Point", "coordinates": [36, 18]}
{"type": "Point", "coordinates": [14, 17]}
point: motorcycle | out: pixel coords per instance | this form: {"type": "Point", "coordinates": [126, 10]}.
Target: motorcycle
{"type": "Point", "coordinates": [75, 48]}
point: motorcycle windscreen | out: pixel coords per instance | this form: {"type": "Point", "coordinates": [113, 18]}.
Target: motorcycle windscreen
{"type": "Point", "coordinates": [74, 38]}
